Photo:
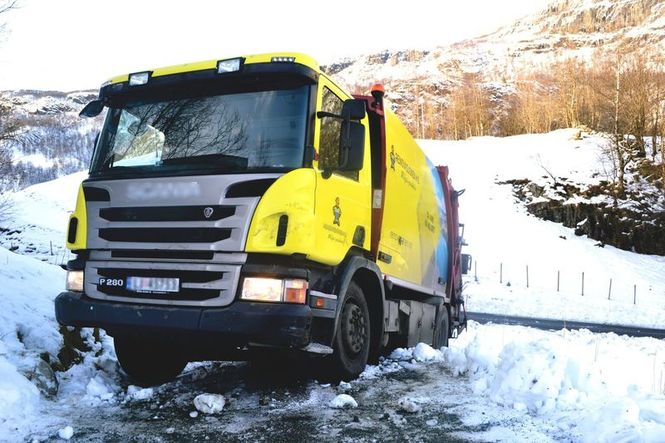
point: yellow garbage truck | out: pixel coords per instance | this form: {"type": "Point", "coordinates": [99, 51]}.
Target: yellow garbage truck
{"type": "Point", "coordinates": [249, 205]}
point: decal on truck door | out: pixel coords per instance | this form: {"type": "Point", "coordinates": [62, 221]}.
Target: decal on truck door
{"type": "Point", "coordinates": [337, 212]}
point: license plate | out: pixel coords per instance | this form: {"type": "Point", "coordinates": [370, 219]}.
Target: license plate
{"type": "Point", "coordinates": [153, 284]}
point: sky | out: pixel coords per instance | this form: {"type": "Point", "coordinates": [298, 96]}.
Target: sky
{"type": "Point", "coordinates": [78, 44]}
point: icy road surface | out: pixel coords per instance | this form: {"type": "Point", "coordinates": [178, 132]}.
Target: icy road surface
{"type": "Point", "coordinates": [495, 383]}
{"type": "Point", "coordinates": [265, 405]}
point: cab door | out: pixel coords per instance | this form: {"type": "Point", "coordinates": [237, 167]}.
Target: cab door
{"type": "Point", "coordinates": [342, 201]}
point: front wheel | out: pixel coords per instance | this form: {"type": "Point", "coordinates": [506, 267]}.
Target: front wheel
{"type": "Point", "coordinates": [352, 340]}
{"type": "Point", "coordinates": [148, 362]}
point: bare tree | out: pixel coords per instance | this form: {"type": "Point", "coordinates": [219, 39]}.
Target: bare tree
{"type": "Point", "coordinates": [9, 128]}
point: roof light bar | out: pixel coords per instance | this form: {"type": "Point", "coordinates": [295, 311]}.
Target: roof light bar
{"type": "Point", "coordinates": [230, 65]}
{"type": "Point", "coordinates": [283, 59]}
{"type": "Point", "coordinates": [139, 78]}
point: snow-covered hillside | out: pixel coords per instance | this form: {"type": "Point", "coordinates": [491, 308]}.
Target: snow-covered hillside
{"type": "Point", "coordinates": [566, 28]}
{"type": "Point", "coordinates": [504, 239]}
{"type": "Point", "coordinates": [417, 80]}
{"type": "Point", "coordinates": [494, 383]}
{"type": "Point", "coordinates": [52, 140]}
{"type": "Point", "coordinates": [37, 219]}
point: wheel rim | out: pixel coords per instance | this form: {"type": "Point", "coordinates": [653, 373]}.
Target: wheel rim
{"type": "Point", "coordinates": [354, 328]}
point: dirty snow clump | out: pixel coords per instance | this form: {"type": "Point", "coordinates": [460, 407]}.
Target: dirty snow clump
{"type": "Point", "coordinates": [343, 401]}
{"type": "Point", "coordinates": [66, 433]}
{"type": "Point", "coordinates": [209, 403]}
{"type": "Point", "coordinates": [425, 353]}
{"type": "Point", "coordinates": [408, 405]}
{"type": "Point", "coordinates": [135, 393]}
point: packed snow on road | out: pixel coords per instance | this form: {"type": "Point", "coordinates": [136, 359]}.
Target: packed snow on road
{"type": "Point", "coordinates": [494, 382]}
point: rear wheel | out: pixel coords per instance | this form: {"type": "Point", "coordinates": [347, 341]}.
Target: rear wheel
{"type": "Point", "coordinates": [148, 362]}
{"type": "Point", "coordinates": [352, 340]}
{"type": "Point", "coordinates": [442, 330]}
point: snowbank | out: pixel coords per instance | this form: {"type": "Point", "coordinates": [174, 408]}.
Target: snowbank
{"type": "Point", "coordinates": [27, 330]}
{"type": "Point", "coordinates": [595, 386]}
{"type": "Point", "coordinates": [29, 337]}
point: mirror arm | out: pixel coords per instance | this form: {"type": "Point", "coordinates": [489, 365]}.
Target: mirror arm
{"type": "Point", "coordinates": [322, 114]}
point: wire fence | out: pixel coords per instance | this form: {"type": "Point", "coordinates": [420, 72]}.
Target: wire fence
{"type": "Point", "coordinates": [566, 282]}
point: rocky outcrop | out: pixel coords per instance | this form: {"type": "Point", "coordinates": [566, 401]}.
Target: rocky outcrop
{"type": "Point", "coordinates": [633, 229]}
{"type": "Point", "coordinates": [618, 227]}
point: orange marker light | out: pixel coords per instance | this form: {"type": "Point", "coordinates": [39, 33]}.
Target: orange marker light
{"type": "Point", "coordinates": [378, 87]}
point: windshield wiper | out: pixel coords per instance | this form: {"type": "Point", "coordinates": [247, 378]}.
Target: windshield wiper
{"type": "Point", "coordinates": [233, 161]}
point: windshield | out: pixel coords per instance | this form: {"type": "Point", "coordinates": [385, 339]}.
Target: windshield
{"type": "Point", "coordinates": [262, 130]}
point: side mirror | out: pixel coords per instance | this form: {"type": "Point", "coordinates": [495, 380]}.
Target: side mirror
{"type": "Point", "coordinates": [351, 150]}
{"type": "Point", "coordinates": [353, 110]}
{"type": "Point", "coordinates": [351, 146]}
{"type": "Point", "coordinates": [352, 136]}
{"type": "Point", "coordinates": [92, 109]}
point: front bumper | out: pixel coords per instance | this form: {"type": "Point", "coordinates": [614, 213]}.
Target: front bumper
{"type": "Point", "coordinates": [237, 325]}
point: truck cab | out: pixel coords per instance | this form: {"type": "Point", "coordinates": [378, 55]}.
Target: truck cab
{"type": "Point", "coordinates": [245, 204]}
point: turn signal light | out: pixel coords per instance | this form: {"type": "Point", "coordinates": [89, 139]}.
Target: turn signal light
{"type": "Point", "coordinates": [295, 291]}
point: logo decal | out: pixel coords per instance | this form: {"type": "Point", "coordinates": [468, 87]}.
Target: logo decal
{"type": "Point", "coordinates": [337, 212]}
{"type": "Point", "coordinates": [207, 212]}
{"type": "Point", "coordinates": [393, 157]}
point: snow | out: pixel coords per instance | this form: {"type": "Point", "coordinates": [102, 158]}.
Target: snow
{"type": "Point", "coordinates": [19, 398]}
{"type": "Point", "coordinates": [343, 401]}
{"type": "Point", "coordinates": [504, 239]}
{"type": "Point", "coordinates": [407, 404]}
{"type": "Point", "coordinates": [135, 393]}
{"type": "Point", "coordinates": [66, 433]}
{"type": "Point", "coordinates": [209, 403]}
{"type": "Point", "coordinates": [422, 352]}
{"type": "Point", "coordinates": [39, 216]}
{"type": "Point", "coordinates": [595, 386]}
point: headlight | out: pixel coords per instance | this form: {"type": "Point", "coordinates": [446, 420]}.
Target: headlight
{"type": "Point", "coordinates": [274, 290]}
{"type": "Point", "coordinates": [230, 65]}
{"type": "Point", "coordinates": [139, 78]}
{"type": "Point", "coordinates": [75, 281]}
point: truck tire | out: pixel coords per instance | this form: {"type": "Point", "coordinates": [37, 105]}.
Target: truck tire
{"type": "Point", "coordinates": [442, 330]}
{"type": "Point", "coordinates": [352, 340]}
{"type": "Point", "coordinates": [148, 363]}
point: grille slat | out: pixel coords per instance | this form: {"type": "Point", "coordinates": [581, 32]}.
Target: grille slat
{"type": "Point", "coordinates": [167, 213]}
{"type": "Point", "coordinates": [163, 254]}
{"type": "Point", "coordinates": [183, 294]}
{"type": "Point", "coordinates": [165, 235]}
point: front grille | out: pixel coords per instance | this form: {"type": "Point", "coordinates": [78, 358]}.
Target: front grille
{"type": "Point", "coordinates": [193, 213]}
{"type": "Point", "coordinates": [167, 213]}
{"type": "Point", "coordinates": [165, 235]}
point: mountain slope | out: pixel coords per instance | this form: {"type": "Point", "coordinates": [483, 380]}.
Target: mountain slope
{"type": "Point", "coordinates": [567, 29]}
